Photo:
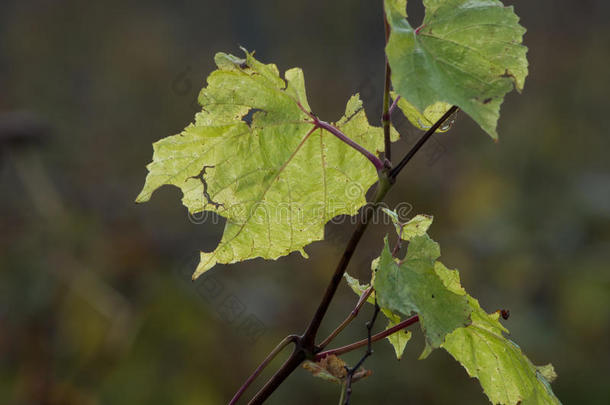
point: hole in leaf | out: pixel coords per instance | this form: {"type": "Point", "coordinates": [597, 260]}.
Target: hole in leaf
{"type": "Point", "coordinates": [415, 13]}
{"type": "Point", "coordinates": [201, 178]}
{"type": "Point", "coordinates": [250, 115]}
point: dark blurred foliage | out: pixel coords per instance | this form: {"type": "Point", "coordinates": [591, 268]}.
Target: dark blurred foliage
{"type": "Point", "coordinates": [95, 302]}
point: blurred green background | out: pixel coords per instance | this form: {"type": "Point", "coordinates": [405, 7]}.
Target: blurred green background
{"type": "Point", "coordinates": [96, 306]}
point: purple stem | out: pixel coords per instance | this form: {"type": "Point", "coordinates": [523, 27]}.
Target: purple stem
{"type": "Point", "coordinates": [379, 165]}
{"type": "Point", "coordinates": [393, 106]}
{"type": "Point", "coordinates": [365, 295]}
{"type": "Point", "coordinates": [381, 335]}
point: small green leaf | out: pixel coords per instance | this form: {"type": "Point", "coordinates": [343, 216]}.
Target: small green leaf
{"type": "Point", "coordinates": [399, 339]}
{"type": "Point", "coordinates": [250, 157]}
{"type": "Point", "coordinates": [505, 373]}
{"type": "Point", "coordinates": [547, 371]}
{"type": "Point", "coordinates": [413, 286]}
{"type": "Point", "coordinates": [416, 226]}
{"type": "Point", "coordinates": [467, 53]}
{"type": "Point", "coordinates": [358, 288]}
{"type": "Point", "coordinates": [424, 120]}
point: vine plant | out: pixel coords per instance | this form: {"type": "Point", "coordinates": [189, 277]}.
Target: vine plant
{"type": "Point", "coordinates": [259, 157]}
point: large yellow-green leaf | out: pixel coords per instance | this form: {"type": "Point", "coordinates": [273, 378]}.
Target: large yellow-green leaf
{"type": "Point", "coordinates": [251, 157]}
{"type": "Point", "coordinates": [467, 53]}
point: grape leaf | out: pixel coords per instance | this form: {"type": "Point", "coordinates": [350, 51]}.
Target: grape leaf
{"type": "Point", "coordinates": [467, 53]}
{"type": "Point", "coordinates": [412, 286]}
{"type": "Point", "coordinates": [458, 325]}
{"type": "Point", "coordinates": [251, 157]}
{"type": "Point", "coordinates": [417, 226]}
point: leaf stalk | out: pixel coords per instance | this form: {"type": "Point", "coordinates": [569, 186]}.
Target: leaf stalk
{"type": "Point", "coordinates": [387, 111]}
{"type": "Point", "coordinates": [378, 163]}
{"type": "Point", "coordinates": [318, 123]}
{"type": "Point", "coordinates": [369, 351]}
{"type": "Point", "coordinates": [365, 295]}
{"type": "Point", "coordinates": [276, 350]}
{"type": "Point", "coordinates": [378, 336]}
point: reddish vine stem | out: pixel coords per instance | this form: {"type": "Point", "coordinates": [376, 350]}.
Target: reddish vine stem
{"type": "Point", "coordinates": [383, 186]}
{"type": "Point", "coordinates": [381, 335]}
{"type": "Point", "coordinates": [306, 343]}
{"type": "Point", "coordinates": [318, 123]}
{"type": "Point", "coordinates": [393, 106]}
{"type": "Point", "coordinates": [365, 295]}
{"type": "Point", "coordinates": [295, 359]}
{"type": "Point", "coordinates": [276, 350]}
{"type": "Point", "coordinates": [378, 163]}
{"type": "Point", "coordinates": [398, 241]}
